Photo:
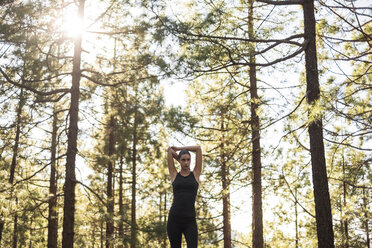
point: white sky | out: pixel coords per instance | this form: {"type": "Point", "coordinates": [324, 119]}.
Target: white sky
{"type": "Point", "coordinates": [174, 92]}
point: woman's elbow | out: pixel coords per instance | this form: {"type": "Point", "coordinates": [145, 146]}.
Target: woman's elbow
{"type": "Point", "coordinates": [198, 148]}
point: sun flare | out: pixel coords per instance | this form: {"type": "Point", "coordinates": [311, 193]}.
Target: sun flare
{"type": "Point", "coordinates": [73, 26]}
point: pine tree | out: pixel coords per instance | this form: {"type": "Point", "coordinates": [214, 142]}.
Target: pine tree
{"type": "Point", "coordinates": [70, 181]}
{"type": "Point", "coordinates": [315, 127]}
{"type": "Point", "coordinates": [53, 213]}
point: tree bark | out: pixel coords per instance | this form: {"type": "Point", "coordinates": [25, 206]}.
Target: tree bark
{"type": "Point", "coordinates": [257, 222]}
{"type": "Point", "coordinates": [225, 196]}
{"type": "Point", "coordinates": [134, 181]}
{"type": "Point", "coordinates": [17, 136]}
{"type": "Point", "coordinates": [1, 229]}
{"type": "Point", "coordinates": [15, 226]}
{"type": "Point", "coordinates": [70, 181]}
{"type": "Point", "coordinates": [121, 206]}
{"type": "Point", "coordinates": [14, 164]}
{"type": "Point", "coordinates": [345, 222]}
{"type": "Point", "coordinates": [102, 235]}
{"type": "Point", "coordinates": [320, 181]}
{"type": "Point", "coordinates": [226, 207]}
{"type": "Point", "coordinates": [296, 219]}
{"type": "Point", "coordinates": [52, 217]}
{"type": "Point", "coordinates": [366, 221]}
{"type": "Point", "coordinates": [31, 231]}
{"type": "Point", "coordinates": [110, 200]}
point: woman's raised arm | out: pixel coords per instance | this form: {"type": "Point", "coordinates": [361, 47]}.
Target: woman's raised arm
{"type": "Point", "coordinates": [198, 160]}
{"type": "Point", "coordinates": [171, 154]}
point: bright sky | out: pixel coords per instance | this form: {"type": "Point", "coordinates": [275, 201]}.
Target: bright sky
{"type": "Point", "coordinates": [174, 92]}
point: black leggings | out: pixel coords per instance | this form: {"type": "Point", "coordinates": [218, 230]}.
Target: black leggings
{"type": "Point", "coordinates": [178, 225]}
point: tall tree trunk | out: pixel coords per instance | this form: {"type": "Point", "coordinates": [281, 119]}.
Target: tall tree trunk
{"type": "Point", "coordinates": [226, 206]}
{"type": "Point", "coordinates": [15, 226]}
{"type": "Point", "coordinates": [225, 195]}
{"type": "Point", "coordinates": [110, 200]}
{"type": "Point", "coordinates": [296, 218]}
{"type": "Point", "coordinates": [134, 181]}
{"type": "Point", "coordinates": [1, 229]}
{"type": "Point", "coordinates": [101, 236]}
{"type": "Point", "coordinates": [52, 218]}
{"type": "Point", "coordinates": [70, 181]}
{"type": "Point", "coordinates": [160, 238]}
{"type": "Point", "coordinates": [319, 171]}
{"type": "Point", "coordinates": [257, 223]}
{"type": "Point", "coordinates": [366, 221]}
{"type": "Point", "coordinates": [17, 136]}
{"type": "Point", "coordinates": [14, 164]}
{"type": "Point", "coordinates": [345, 222]}
{"type": "Point", "coordinates": [31, 231]}
{"type": "Point", "coordinates": [121, 206]}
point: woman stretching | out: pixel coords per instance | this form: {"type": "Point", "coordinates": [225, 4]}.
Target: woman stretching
{"type": "Point", "coordinates": [182, 218]}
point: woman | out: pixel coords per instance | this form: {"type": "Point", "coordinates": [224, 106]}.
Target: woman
{"type": "Point", "coordinates": [185, 183]}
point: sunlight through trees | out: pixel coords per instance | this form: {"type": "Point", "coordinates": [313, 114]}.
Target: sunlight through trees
{"type": "Point", "coordinates": [276, 92]}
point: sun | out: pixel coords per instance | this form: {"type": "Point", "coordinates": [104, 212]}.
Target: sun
{"type": "Point", "coordinates": [72, 26]}
{"type": "Point", "coordinates": [68, 22]}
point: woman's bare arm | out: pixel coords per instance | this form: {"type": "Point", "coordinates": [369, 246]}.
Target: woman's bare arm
{"type": "Point", "coordinates": [171, 154]}
{"type": "Point", "coordinates": [198, 161]}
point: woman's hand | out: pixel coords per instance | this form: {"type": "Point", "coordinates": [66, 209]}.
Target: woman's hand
{"type": "Point", "coordinates": [176, 148]}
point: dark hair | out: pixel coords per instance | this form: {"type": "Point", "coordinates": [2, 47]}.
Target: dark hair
{"type": "Point", "coordinates": [183, 152]}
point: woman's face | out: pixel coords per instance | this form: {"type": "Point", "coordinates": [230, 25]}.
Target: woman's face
{"type": "Point", "coordinates": [185, 161]}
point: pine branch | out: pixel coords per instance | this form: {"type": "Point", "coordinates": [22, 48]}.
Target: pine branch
{"type": "Point", "coordinates": [352, 184]}
{"type": "Point", "coordinates": [295, 198]}
{"type": "Point", "coordinates": [41, 93]}
{"type": "Point", "coordinates": [114, 84]}
{"type": "Point", "coordinates": [286, 2]}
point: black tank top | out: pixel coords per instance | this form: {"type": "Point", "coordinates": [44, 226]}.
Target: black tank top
{"type": "Point", "coordinates": [184, 195]}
